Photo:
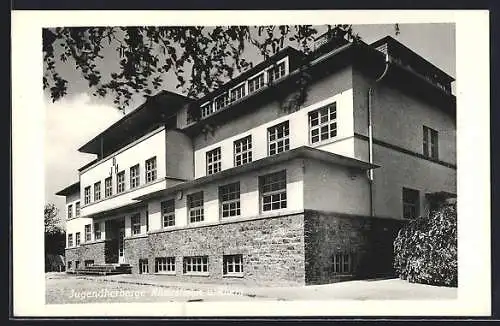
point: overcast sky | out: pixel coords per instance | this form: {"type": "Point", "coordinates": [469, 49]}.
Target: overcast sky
{"type": "Point", "coordinates": [78, 117]}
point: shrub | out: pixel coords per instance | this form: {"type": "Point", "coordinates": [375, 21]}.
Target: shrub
{"type": "Point", "coordinates": [425, 249]}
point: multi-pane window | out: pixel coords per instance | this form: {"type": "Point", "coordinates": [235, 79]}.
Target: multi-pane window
{"type": "Point", "coordinates": [232, 264]}
{"type": "Point", "coordinates": [237, 93]}
{"type": "Point", "coordinates": [77, 209]}
{"type": "Point", "coordinates": [70, 240]}
{"type": "Point", "coordinates": [195, 264]}
{"type": "Point", "coordinates": [214, 161]}
{"type": "Point", "coordinates": [120, 182]}
{"type": "Point", "coordinates": [88, 263]}
{"type": "Point", "coordinates": [273, 191]}
{"type": "Point", "coordinates": [97, 191]}
{"type": "Point", "coordinates": [151, 169]}
{"type": "Point", "coordinates": [164, 264]}
{"type": "Point", "coordinates": [278, 138]}
{"type": "Point", "coordinates": [77, 264]}
{"type": "Point", "coordinates": [243, 151]}
{"type": "Point", "coordinates": [143, 266]}
{"type": "Point", "coordinates": [134, 176]}
{"type": "Point", "coordinates": [207, 109]}
{"type": "Point", "coordinates": [77, 238]}
{"type": "Point", "coordinates": [108, 187]}
{"type": "Point", "coordinates": [135, 222]}
{"type": "Point", "coordinates": [341, 263]}
{"type": "Point", "coordinates": [430, 143]}
{"type": "Point", "coordinates": [97, 231]}
{"type": "Point", "coordinates": [88, 233]}
{"type": "Point", "coordinates": [221, 101]}
{"type": "Point", "coordinates": [87, 195]}
{"type": "Point", "coordinates": [411, 203]}
{"type": "Point", "coordinates": [168, 213]}
{"type": "Point", "coordinates": [276, 72]}
{"type": "Point", "coordinates": [70, 211]}
{"type": "Point", "coordinates": [256, 83]}
{"type": "Point", "coordinates": [195, 207]}
{"type": "Point", "coordinates": [323, 123]}
{"type": "Point", "coordinates": [229, 196]}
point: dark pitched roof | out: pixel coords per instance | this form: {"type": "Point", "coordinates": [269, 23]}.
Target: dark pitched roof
{"type": "Point", "coordinates": [69, 190]}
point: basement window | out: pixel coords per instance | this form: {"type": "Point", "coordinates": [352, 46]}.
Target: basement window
{"type": "Point", "coordinates": [195, 265]}
{"type": "Point", "coordinates": [88, 263]}
{"type": "Point", "coordinates": [341, 263]}
{"type": "Point", "coordinates": [232, 265]}
{"type": "Point", "coordinates": [164, 264]}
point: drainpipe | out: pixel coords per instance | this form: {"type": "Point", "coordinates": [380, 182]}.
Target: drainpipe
{"type": "Point", "coordinates": [370, 132]}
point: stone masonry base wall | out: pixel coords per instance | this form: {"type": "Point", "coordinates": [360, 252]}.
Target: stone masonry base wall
{"type": "Point", "coordinates": [91, 251]}
{"type": "Point", "coordinates": [272, 249]}
{"type": "Point", "coordinates": [368, 241]}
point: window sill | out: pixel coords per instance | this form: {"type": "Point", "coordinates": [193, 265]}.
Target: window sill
{"type": "Point", "coordinates": [136, 236]}
{"type": "Point", "coordinates": [203, 274]}
{"type": "Point", "coordinates": [234, 275]}
{"type": "Point", "coordinates": [165, 273]}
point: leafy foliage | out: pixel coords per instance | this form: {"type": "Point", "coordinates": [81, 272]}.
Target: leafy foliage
{"type": "Point", "coordinates": [426, 248]}
{"type": "Point", "coordinates": [202, 58]}
{"type": "Point", "coordinates": [55, 237]}
{"type": "Point", "coordinates": [51, 219]}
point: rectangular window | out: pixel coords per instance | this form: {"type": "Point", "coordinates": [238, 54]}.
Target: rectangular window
{"type": "Point", "coordinates": [88, 233]}
{"type": "Point", "coordinates": [213, 161]}
{"type": "Point", "coordinates": [276, 72]}
{"type": "Point", "coordinates": [87, 195]}
{"type": "Point", "coordinates": [97, 191]}
{"type": "Point", "coordinates": [168, 213]}
{"type": "Point", "coordinates": [108, 187]}
{"type": "Point", "coordinates": [77, 238]}
{"type": "Point", "coordinates": [323, 123]}
{"type": "Point", "coordinates": [151, 170]}
{"type": "Point", "coordinates": [195, 264]}
{"type": "Point", "coordinates": [70, 211]}
{"type": "Point", "coordinates": [120, 182]}
{"type": "Point", "coordinates": [70, 240]}
{"type": "Point", "coordinates": [195, 207]}
{"type": "Point", "coordinates": [273, 191]}
{"type": "Point", "coordinates": [97, 231]}
{"type": "Point", "coordinates": [134, 176]}
{"type": "Point", "coordinates": [278, 138]}
{"type": "Point", "coordinates": [430, 143]}
{"type": "Point", "coordinates": [237, 93]}
{"type": "Point", "coordinates": [256, 83]}
{"type": "Point", "coordinates": [88, 262]}
{"type": "Point", "coordinates": [207, 109]}
{"type": "Point", "coordinates": [232, 264]}
{"type": "Point", "coordinates": [243, 151]}
{"type": "Point", "coordinates": [341, 263]}
{"type": "Point", "coordinates": [69, 265]}
{"type": "Point", "coordinates": [143, 266]}
{"type": "Point", "coordinates": [164, 264]}
{"type": "Point", "coordinates": [135, 222]}
{"type": "Point", "coordinates": [221, 102]}
{"type": "Point", "coordinates": [77, 209]}
{"type": "Point", "coordinates": [411, 203]}
{"type": "Point", "coordinates": [229, 197]}
{"type": "Point", "coordinates": [77, 264]}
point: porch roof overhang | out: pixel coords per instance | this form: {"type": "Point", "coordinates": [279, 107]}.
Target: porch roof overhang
{"type": "Point", "coordinates": [300, 152]}
{"type": "Point", "coordinates": [116, 210]}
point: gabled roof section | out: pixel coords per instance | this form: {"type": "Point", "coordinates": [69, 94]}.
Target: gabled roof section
{"type": "Point", "coordinates": [398, 48]}
{"type": "Point", "coordinates": [69, 190]}
{"type": "Point", "coordinates": [155, 110]}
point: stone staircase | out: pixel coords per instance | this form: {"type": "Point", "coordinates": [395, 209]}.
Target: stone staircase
{"type": "Point", "coordinates": [103, 269]}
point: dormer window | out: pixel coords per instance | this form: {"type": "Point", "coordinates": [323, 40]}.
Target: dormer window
{"type": "Point", "coordinates": [238, 92]}
{"type": "Point", "coordinates": [221, 101]}
{"type": "Point", "coordinates": [256, 83]}
{"type": "Point", "coordinates": [276, 72]}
